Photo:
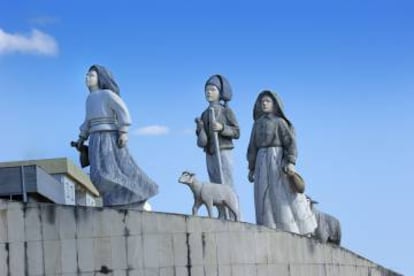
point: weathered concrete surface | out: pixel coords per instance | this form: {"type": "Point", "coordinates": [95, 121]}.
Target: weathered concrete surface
{"type": "Point", "coordinates": [39, 239]}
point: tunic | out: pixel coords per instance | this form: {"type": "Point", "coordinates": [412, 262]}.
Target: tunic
{"type": "Point", "coordinates": [205, 139]}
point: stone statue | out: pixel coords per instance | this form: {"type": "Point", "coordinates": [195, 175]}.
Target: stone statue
{"type": "Point", "coordinates": [329, 227]}
{"type": "Point", "coordinates": [216, 128]}
{"type": "Point", "coordinates": [211, 194]}
{"type": "Point", "coordinates": [272, 155]}
{"type": "Point", "coordinates": [112, 169]}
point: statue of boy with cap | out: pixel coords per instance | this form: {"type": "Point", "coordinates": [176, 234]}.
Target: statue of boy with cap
{"type": "Point", "coordinates": [216, 129]}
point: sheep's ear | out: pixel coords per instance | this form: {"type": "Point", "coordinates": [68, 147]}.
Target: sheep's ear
{"type": "Point", "coordinates": [192, 174]}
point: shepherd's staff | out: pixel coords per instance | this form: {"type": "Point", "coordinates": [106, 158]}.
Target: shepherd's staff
{"type": "Point", "coordinates": [217, 145]}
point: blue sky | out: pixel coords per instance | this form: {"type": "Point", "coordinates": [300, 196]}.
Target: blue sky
{"type": "Point", "coordinates": [344, 69]}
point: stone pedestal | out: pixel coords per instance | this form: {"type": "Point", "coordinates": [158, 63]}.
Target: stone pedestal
{"type": "Point", "coordinates": [42, 239]}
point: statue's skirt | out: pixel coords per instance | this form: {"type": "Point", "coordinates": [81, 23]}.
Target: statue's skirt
{"type": "Point", "coordinates": [115, 174]}
{"type": "Point", "coordinates": [277, 205]}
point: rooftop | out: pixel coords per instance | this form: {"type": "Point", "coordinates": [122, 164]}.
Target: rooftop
{"type": "Point", "coordinates": [58, 166]}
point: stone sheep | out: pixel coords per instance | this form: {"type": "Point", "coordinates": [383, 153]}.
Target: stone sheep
{"type": "Point", "coordinates": [210, 194]}
{"type": "Point", "coordinates": [329, 227]}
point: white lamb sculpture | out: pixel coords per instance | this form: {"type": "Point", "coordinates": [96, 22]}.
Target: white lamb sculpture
{"type": "Point", "coordinates": [329, 227]}
{"type": "Point", "coordinates": [210, 194]}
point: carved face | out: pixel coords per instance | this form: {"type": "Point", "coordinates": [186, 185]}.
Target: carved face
{"type": "Point", "coordinates": [267, 104]}
{"type": "Point", "coordinates": [212, 93]}
{"type": "Point", "coordinates": [92, 80]}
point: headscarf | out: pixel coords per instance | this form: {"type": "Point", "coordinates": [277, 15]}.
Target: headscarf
{"type": "Point", "coordinates": [277, 106]}
{"type": "Point", "coordinates": [223, 87]}
{"type": "Point", "coordinates": [105, 78]}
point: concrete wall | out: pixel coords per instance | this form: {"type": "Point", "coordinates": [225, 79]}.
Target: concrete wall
{"type": "Point", "coordinates": [39, 239]}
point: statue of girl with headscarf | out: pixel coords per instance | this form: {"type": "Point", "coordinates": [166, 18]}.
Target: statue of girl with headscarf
{"type": "Point", "coordinates": [112, 170]}
{"type": "Point", "coordinates": [224, 126]}
{"type": "Point", "coordinates": [272, 156]}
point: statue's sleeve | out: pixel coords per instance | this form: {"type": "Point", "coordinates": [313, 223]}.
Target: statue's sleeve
{"type": "Point", "coordinates": [230, 126]}
{"type": "Point", "coordinates": [120, 109]}
{"type": "Point", "coordinates": [288, 139]}
{"type": "Point", "coordinates": [84, 129]}
{"type": "Point", "coordinates": [252, 150]}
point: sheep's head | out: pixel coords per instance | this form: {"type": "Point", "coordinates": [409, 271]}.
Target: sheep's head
{"type": "Point", "coordinates": [186, 178]}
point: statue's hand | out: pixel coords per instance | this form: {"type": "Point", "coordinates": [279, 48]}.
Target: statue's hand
{"type": "Point", "coordinates": [217, 126]}
{"type": "Point", "coordinates": [251, 176]}
{"type": "Point", "coordinates": [122, 139]}
{"type": "Point", "coordinates": [79, 143]}
{"type": "Point", "coordinates": [289, 169]}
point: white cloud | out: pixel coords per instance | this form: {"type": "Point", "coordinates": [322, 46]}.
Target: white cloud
{"type": "Point", "coordinates": [154, 130]}
{"type": "Point", "coordinates": [36, 42]}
